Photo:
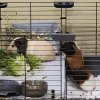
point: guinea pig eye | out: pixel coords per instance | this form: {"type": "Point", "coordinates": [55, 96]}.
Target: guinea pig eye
{"type": "Point", "coordinates": [12, 45]}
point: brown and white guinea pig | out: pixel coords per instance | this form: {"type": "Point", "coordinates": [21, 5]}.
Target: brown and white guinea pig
{"type": "Point", "coordinates": [42, 49]}
{"type": "Point", "coordinates": [74, 65]}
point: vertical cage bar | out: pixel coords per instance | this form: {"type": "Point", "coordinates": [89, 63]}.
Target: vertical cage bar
{"type": "Point", "coordinates": [31, 20]}
{"type": "Point", "coordinates": [61, 54]}
{"type": "Point", "coordinates": [61, 21]}
{"type": "Point", "coordinates": [65, 94]}
{"type": "Point", "coordinates": [0, 20]}
{"type": "Point", "coordinates": [0, 29]}
{"type": "Point", "coordinates": [66, 20]}
{"type": "Point", "coordinates": [25, 71]}
{"type": "Point", "coordinates": [96, 28]}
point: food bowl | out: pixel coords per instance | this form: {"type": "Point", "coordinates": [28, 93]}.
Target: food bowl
{"type": "Point", "coordinates": [36, 88]}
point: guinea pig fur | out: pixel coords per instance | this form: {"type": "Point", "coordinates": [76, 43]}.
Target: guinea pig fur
{"type": "Point", "coordinates": [42, 49]}
{"type": "Point", "coordinates": [74, 65]}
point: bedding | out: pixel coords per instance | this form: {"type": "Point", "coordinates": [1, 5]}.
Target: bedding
{"type": "Point", "coordinates": [51, 73]}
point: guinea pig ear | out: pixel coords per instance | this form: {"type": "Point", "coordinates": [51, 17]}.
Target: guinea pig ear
{"type": "Point", "coordinates": [21, 45]}
{"type": "Point", "coordinates": [63, 47]}
{"type": "Point", "coordinates": [20, 42]}
{"type": "Point", "coordinates": [17, 43]}
{"type": "Point", "coordinates": [74, 45]}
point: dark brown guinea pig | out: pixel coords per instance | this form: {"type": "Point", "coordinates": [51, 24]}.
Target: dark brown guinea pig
{"type": "Point", "coordinates": [74, 65]}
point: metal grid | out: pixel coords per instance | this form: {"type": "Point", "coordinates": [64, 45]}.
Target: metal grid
{"type": "Point", "coordinates": [81, 20]}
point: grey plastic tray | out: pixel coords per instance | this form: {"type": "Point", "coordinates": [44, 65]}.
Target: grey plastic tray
{"type": "Point", "coordinates": [93, 63]}
{"type": "Point", "coordinates": [64, 37]}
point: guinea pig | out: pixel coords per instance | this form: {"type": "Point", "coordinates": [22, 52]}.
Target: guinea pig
{"type": "Point", "coordinates": [74, 65]}
{"type": "Point", "coordinates": [42, 49]}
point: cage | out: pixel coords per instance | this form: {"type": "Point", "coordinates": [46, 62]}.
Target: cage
{"type": "Point", "coordinates": [30, 49]}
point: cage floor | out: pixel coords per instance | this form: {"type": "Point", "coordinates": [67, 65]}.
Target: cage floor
{"type": "Point", "coordinates": [73, 92]}
{"type": "Point", "coordinates": [51, 72]}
